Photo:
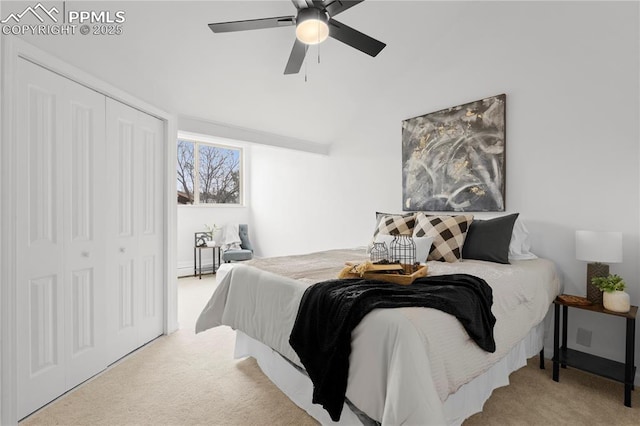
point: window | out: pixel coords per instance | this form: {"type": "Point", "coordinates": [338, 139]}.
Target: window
{"type": "Point", "coordinates": [208, 174]}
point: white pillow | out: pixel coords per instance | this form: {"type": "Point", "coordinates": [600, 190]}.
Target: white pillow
{"type": "Point", "coordinates": [231, 237]}
{"type": "Point", "coordinates": [423, 245]}
{"type": "Point", "coordinates": [520, 244]}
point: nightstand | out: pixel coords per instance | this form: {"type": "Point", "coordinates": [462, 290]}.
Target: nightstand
{"type": "Point", "coordinates": [197, 260]}
{"type": "Point", "coordinates": [563, 356]}
{"type": "Point", "coordinates": [200, 240]}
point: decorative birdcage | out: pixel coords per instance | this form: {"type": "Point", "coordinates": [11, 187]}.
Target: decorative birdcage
{"type": "Point", "coordinates": [403, 250]}
{"type": "Point", "coordinates": [379, 252]}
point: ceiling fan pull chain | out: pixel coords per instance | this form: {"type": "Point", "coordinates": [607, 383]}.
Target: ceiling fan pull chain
{"type": "Point", "coordinates": [318, 42]}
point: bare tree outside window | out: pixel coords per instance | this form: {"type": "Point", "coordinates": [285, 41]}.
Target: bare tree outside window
{"type": "Point", "coordinates": [218, 174]}
{"type": "Point", "coordinates": [185, 172]}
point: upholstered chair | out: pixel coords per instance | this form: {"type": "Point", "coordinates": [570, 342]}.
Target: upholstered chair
{"type": "Point", "coordinates": [246, 250]}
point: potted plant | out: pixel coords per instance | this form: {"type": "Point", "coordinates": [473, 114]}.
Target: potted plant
{"type": "Point", "coordinates": [614, 297]}
{"type": "Point", "coordinates": [212, 231]}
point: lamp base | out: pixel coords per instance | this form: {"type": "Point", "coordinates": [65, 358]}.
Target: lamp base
{"type": "Point", "coordinates": [594, 294]}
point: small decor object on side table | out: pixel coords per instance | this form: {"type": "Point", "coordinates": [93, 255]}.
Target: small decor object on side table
{"type": "Point", "coordinates": [598, 248]}
{"type": "Point", "coordinates": [615, 299]}
{"type": "Point", "coordinates": [572, 300]}
{"type": "Point", "coordinates": [201, 239]}
{"type": "Point", "coordinates": [211, 230]}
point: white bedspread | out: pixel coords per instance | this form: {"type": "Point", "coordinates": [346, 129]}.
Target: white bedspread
{"type": "Point", "coordinates": [404, 362]}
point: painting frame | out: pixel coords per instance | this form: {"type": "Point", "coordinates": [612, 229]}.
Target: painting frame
{"type": "Point", "coordinates": [454, 159]}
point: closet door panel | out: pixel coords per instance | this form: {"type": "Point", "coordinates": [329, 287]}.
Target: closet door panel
{"type": "Point", "coordinates": [151, 232]}
{"type": "Point", "coordinates": [123, 269]}
{"type": "Point", "coordinates": [39, 250]}
{"type": "Point", "coordinates": [43, 142]}
{"type": "Point", "coordinates": [84, 235]}
{"type": "Point", "coordinates": [60, 253]}
{"type": "Point", "coordinates": [135, 228]}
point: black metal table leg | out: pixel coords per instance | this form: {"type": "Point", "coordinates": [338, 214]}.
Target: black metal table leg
{"type": "Point", "coordinates": [556, 343]}
{"type": "Point", "coordinates": [195, 269]}
{"type": "Point", "coordinates": [200, 258]}
{"type": "Point", "coordinates": [629, 359]}
{"type": "Point", "coordinates": [565, 321]}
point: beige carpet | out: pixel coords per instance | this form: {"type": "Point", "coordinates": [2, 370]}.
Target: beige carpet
{"type": "Point", "coordinates": [184, 379]}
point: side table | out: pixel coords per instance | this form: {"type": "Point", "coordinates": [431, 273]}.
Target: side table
{"type": "Point", "coordinates": [563, 356]}
{"type": "Point", "coordinates": [197, 260]}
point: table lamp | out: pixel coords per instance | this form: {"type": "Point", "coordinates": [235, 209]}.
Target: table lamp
{"type": "Point", "coordinates": [598, 248]}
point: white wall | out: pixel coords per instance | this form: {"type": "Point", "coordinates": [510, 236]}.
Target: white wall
{"type": "Point", "coordinates": [570, 72]}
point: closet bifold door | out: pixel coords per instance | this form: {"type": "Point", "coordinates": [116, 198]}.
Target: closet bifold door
{"type": "Point", "coordinates": [134, 228]}
{"type": "Point", "coordinates": [60, 235]}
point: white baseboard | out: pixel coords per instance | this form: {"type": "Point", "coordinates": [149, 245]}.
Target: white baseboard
{"type": "Point", "coordinates": [185, 269]}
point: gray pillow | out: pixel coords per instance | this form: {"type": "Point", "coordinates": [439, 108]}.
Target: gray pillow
{"type": "Point", "coordinates": [489, 239]}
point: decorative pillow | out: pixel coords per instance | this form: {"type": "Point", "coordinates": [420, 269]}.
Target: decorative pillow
{"type": "Point", "coordinates": [448, 234]}
{"type": "Point", "coordinates": [489, 239]}
{"type": "Point", "coordinates": [394, 224]}
{"type": "Point", "coordinates": [519, 249]}
{"type": "Point", "coordinates": [423, 245]}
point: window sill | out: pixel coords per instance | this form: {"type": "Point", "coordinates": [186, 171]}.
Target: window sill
{"type": "Point", "coordinates": [209, 206]}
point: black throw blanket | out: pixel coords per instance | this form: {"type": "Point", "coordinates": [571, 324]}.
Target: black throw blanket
{"type": "Point", "coordinates": [330, 310]}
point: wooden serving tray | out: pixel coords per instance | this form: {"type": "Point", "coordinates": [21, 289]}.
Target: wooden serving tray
{"type": "Point", "coordinates": [396, 278]}
{"type": "Point", "coordinates": [380, 267]}
{"type": "Point", "coordinates": [407, 279]}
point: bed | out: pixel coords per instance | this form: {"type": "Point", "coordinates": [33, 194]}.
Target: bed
{"type": "Point", "coordinates": [407, 365]}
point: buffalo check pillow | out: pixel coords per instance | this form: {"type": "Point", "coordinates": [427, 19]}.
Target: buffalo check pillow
{"type": "Point", "coordinates": [448, 232]}
{"type": "Point", "coordinates": [392, 224]}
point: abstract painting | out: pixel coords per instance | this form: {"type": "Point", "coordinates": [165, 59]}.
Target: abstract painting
{"type": "Point", "coordinates": [454, 159]}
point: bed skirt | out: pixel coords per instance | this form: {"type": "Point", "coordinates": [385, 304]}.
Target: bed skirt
{"type": "Point", "coordinates": [465, 402]}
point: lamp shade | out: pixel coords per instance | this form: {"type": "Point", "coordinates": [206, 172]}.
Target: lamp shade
{"type": "Point", "coordinates": [601, 247]}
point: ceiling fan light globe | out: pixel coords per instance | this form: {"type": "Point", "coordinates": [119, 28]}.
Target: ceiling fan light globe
{"type": "Point", "coordinates": [311, 26]}
{"type": "Point", "coordinates": [312, 31]}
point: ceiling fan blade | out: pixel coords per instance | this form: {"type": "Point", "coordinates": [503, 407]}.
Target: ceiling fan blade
{"type": "Point", "coordinates": [355, 38]}
{"type": "Point", "coordinates": [333, 7]}
{"type": "Point", "coordinates": [302, 4]}
{"type": "Point", "coordinates": [296, 57]}
{"type": "Point", "coordinates": [252, 24]}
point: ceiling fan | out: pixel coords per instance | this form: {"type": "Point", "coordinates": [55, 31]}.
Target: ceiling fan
{"type": "Point", "coordinates": [314, 23]}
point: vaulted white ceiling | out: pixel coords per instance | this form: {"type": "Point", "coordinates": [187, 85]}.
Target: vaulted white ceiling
{"type": "Point", "coordinates": [168, 57]}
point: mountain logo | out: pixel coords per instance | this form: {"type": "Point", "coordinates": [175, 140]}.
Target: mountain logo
{"type": "Point", "coordinates": [38, 11]}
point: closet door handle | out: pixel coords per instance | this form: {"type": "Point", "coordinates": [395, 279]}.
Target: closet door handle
{"type": "Point", "coordinates": [85, 254]}
{"type": "Point", "coordinates": [122, 250]}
